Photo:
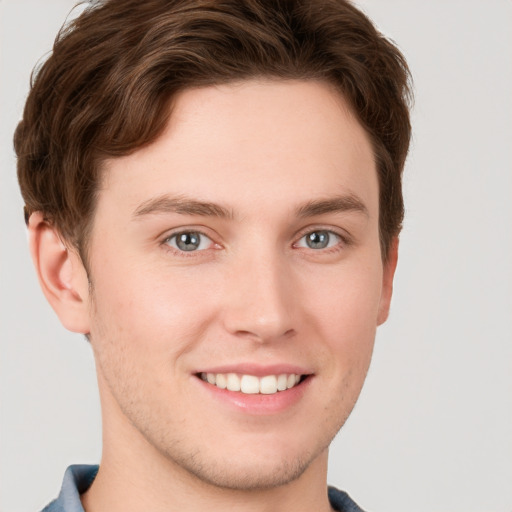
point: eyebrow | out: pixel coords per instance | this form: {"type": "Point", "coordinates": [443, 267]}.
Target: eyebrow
{"type": "Point", "coordinates": [181, 205]}
{"type": "Point", "coordinates": [344, 203]}
{"type": "Point", "coordinates": [188, 206]}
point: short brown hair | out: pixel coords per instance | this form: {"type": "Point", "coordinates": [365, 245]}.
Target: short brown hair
{"type": "Point", "coordinates": [105, 90]}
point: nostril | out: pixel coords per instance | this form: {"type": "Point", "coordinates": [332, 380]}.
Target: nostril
{"type": "Point", "coordinates": [265, 334]}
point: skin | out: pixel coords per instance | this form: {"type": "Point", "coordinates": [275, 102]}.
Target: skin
{"type": "Point", "coordinates": [253, 293]}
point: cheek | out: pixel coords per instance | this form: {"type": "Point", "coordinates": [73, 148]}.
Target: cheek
{"type": "Point", "coordinates": [346, 313]}
{"type": "Point", "coordinates": [349, 299]}
{"type": "Point", "coordinates": [145, 309]}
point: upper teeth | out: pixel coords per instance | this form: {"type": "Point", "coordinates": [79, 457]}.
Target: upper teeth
{"type": "Point", "coordinates": [267, 385]}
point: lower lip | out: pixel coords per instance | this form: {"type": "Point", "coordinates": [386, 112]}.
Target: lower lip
{"type": "Point", "coordinates": [258, 403]}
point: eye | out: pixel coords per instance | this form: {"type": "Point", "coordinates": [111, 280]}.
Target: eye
{"type": "Point", "coordinates": [319, 239]}
{"type": "Point", "coordinates": [188, 241]}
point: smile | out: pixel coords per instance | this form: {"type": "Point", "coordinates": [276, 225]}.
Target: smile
{"type": "Point", "coordinates": [250, 384]}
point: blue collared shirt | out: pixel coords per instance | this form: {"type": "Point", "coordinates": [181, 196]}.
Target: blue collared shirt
{"type": "Point", "coordinates": [78, 479]}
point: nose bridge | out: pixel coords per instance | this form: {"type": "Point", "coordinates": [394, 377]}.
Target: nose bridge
{"type": "Point", "coordinates": [261, 296]}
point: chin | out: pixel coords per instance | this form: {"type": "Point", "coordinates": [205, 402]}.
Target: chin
{"type": "Point", "coordinates": [249, 463]}
{"type": "Point", "coordinates": [258, 475]}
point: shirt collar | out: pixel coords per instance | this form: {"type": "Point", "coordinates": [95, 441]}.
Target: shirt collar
{"type": "Point", "coordinates": [78, 478]}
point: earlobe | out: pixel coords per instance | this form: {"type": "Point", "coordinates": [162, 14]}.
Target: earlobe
{"type": "Point", "coordinates": [387, 282]}
{"type": "Point", "coordinates": [61, 274]}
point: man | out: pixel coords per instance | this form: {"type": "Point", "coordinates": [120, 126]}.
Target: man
{"type": "Point", "coordinates": [213, 197]}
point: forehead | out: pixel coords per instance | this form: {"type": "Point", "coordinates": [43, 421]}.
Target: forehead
{"type": "Point", "coordinates": [249, 145]}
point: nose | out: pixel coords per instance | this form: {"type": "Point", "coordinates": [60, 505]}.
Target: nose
{"type": "Point", "coordinates": [259, 301]}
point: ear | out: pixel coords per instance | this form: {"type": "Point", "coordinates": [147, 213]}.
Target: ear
{"type": "Point", "coordinates": [387, 282]}
{"type": "Point", "coordinates": [61, 274]}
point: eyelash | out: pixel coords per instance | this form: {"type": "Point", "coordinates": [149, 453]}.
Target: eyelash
{"type": "Point", "coordinates": [344, 241]}
{"type": "Point", "coordinates": [180, 253]}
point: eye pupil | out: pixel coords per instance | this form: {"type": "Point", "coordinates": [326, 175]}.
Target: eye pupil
{"type": "Point", "coordinates": [188, 241]}
{"type": "Point", "coordinates": [317, 239]}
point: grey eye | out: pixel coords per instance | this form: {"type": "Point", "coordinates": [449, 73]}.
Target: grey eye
{"type": "Point", "coordinates": [317, 239]}
{"type": "Point", "coordinates": [320, 239]}
{"type": "Point", "coordinates": [188, 241]}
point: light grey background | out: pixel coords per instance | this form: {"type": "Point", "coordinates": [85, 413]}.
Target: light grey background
{"type": "Point", "coordinates": [433, 428]}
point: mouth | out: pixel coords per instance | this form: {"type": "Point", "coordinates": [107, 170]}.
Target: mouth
{"type": "Point", "coordinates": [251, 384]}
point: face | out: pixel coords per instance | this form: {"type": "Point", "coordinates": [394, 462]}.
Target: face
{"type": "Point", "coordinates": [237, 282]}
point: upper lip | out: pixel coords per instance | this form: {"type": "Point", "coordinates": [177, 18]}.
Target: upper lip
{"type": "Point", "coordinates": [256, 369]}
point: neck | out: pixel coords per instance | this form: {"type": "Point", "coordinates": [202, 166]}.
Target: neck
{"type": "Point", "coordinates": [135, 477]}
{"type": "Point", "coordinates": [132, 489]}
